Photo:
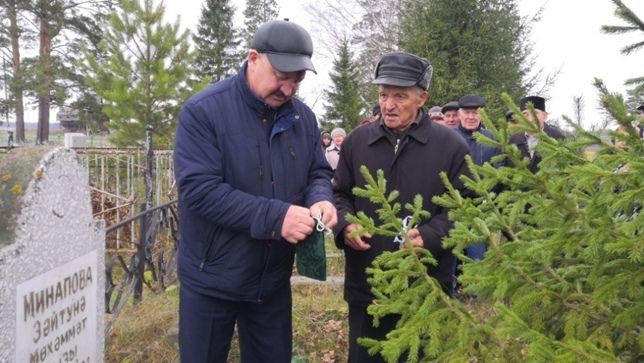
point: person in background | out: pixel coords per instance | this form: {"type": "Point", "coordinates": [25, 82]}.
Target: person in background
{"type": "Point", "coordinates": [526, 142]}
{"type": "Point", "coordinates": [509, 118]}
{"type": "Point", "coordinates": [412, 151]}
{"type": "Point", "coordinates": [333, 151]}
{"type": "Point", "coordinates": [375, 113]}
{"type": "Point", "coordinates": [450, 115]}
{"type": "Point", "coordinates": [326, 139]}
{"type": "Point", "coordinates": [435, 114]}
{"type": "Point", "coordinates": [641, 122]}
{"type": "Point", "coordinates": [470, 120]}
{"type": "Point", "coordinates": [251, 178]}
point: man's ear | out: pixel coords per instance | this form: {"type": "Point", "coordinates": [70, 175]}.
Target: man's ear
{"type": "Point", "coordinates": [252, 56]}
{"type": "Point", "coordinates": [422, 98]}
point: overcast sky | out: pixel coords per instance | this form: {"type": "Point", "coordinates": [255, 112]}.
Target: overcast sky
{"type": "Point", "coordinates": [568, 38]}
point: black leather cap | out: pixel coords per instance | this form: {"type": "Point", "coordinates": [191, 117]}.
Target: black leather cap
{"type": "Point", "coordinates": [450, 106]}
{"type": "Point", "coordinates": [471, 101]}
{"type": "Point", "coordinates": [403, 70]}
{"type": "Point", "coordinates": [539, 103]}
{"type": "Point", "coordinates": [287, 45]}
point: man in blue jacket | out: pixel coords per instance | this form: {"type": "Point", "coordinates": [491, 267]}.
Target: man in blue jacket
{"type": "Point", "coordinates": [468, 112]}
{"type": "Point", "coordinates": [251, 176]}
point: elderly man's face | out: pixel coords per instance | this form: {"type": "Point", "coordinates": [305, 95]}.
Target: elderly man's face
{"type": "Point", "coordinates": [450, 119]}
{"type": "Point", "coordinates": [470, 118]}
{"type": "Point", "coordinates": [273, 87]}
{"type": "Point", "coordinates": [399, 105]}
{"type": "Point", "coordinates": [542, 116]}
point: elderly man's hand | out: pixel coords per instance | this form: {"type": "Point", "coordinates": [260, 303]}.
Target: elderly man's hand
{"type": "Point", "coordinates": [327, 211]}
{"type": "Point", "coordinates": [415, 237]}
{"type": "Point", "coordinates": [357, 243]}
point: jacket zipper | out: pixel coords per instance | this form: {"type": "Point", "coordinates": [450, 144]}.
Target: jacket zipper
{"type": "Point", "coordinates": [209, 241]}
{"type": "Point", "coordinates": [261, 164]}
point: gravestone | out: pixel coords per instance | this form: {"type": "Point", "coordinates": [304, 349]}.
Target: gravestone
{"type": "Point", "coordinates": [52, 273]}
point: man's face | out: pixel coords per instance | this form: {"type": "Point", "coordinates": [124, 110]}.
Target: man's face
{"type": "Point", "coordinates": [272, 86]}
{"type": "Point", "coordinates": [470, 118]}
{"type": "Point", "coordinates": [399, 105]}
{"type": "Point", "coordinates": [450, 119]}
{"type": "Point", "coordinates": [542, 116]}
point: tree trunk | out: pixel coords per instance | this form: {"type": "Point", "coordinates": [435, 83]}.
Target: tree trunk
{"type": "Point", "coordinates": [45, 83]}
{"type": "Point", "coordinates": [16, 84]}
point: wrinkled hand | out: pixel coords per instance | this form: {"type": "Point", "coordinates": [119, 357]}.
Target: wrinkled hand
{"type": "Point", "coordinates": [415, 237]}
{"type": "Point", "coordinates": [297, 224]}
{"type": "Point", "coordinates": [327, 211]}
{"type": "Point", "coordinates": [357, 243]}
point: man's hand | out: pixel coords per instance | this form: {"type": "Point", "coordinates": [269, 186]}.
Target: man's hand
{"type": "Point", "coordinates": [297, 224]}
{"type": "Point", "coordinates": [415, 237]}
{"type": "Point", "coordinates": [327, 211]}
{"type": "Point", "coordinates": [357, 243]}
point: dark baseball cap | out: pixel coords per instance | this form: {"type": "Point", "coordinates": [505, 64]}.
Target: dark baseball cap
{"type": "Point", "coordinates": [287, 45]}
{"type": "Point", "coordinates": [471, 101]}
{"type": "Point", "coordinates": [539, 103]}
{"type": "Point", "coordinates": [403, 70]}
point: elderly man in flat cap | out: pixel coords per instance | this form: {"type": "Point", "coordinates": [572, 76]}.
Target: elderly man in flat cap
{"type": "Point", "coordinates": [450, 115]}
{"type": "Point", "coordinates": [252, 176]}
{"type": "Point", "coordinates": [468, 112]}
{"type": "Point", "coordinates": [411, 150]}
{"type": "Point", "coordinates": [526, 142]}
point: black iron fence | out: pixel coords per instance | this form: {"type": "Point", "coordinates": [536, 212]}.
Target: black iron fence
{"type": "Point", "coordinates": [151, 263]}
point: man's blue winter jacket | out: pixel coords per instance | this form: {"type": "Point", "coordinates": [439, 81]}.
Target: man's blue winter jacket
{"type": "Point", "coordinates": [236, 177]}
{"type": "Point", "coordinates": [480, 153]}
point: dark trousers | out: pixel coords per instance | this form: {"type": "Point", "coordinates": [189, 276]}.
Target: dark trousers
{"type": "Point", "coordinates": [361, 326]}
{"type": "Point", "coordinates": [206, 327]}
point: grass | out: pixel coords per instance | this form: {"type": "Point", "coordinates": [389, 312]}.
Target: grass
{"type": "Point", "coordinates": [148, 331]}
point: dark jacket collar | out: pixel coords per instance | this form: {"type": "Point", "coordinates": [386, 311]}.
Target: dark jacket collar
{"type": "Point", "coordinates": [415, 131]}
{"type": "Point", "coordinates": [468, 132]}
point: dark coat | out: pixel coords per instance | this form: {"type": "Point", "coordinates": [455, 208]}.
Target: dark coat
{"type": "Point", "coordinates": [520, 140]}
{"type": "Point", "coordinates": [480, 153]}
{"type": "Point", "coordinates": [425, 150]}
{"type": "Point", "coordinates": [237, 176]}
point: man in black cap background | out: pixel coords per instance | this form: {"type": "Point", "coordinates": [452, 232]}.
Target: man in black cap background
{"type": "Point", "coordinates": [450, 115]}
{"type": "Point", "coordinates": [526, 142]}
{"type": "Point", "coordinates": [251, 177]}
{"type": "Point", "coordinates": [412, 151]}
{"type": "Point", "coordinates": [471, 123]}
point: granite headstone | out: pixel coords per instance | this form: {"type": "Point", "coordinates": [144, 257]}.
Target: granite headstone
{"type": "Point", "coordinates": [52, 280]}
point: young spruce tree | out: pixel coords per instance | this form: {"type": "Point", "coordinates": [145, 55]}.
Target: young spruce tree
{"type": "Point", "coordinates": [216, 41]}
{"type": "Point", "coordinates": [143, 76]}
{"type": "Point", "coordinates": [343, 97]}
{"type": "Point", "coordinates": [562, 279]}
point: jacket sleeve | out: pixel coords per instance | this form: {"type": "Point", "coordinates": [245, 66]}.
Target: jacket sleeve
{"type": "Point", "coordinates": [320, 173]}
{"type": "Point", "coordinates": [439, 224]}
{"type": "Point", "coordinates": [199, 175]}
{"type": "Point", "coordinates": [343, 183]}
